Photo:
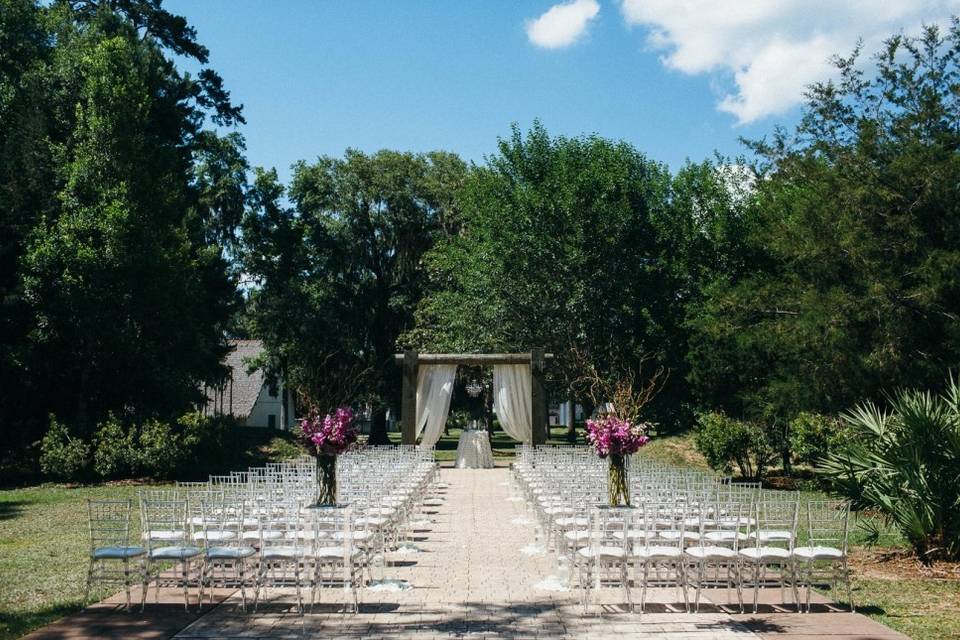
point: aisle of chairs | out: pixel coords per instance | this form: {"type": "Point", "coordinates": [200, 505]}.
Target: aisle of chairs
{"type": "Point", "coordinates": [257, 530]}
{"type": "Point", "coordinates": [684, 530]}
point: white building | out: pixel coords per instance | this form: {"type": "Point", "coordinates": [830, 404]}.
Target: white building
{"type": "Point", "coordinates": [246, 395]}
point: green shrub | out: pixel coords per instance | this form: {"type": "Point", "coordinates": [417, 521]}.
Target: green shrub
{"type": "Point", "coordinates": [63, 456]}
{"type": "Point", "coordinates": [115, 450]}
{"type": "Point", "coordinates": [160, 450]}
{"type": "Point", "coordinates": [905, 464]}
{"type": "Point", "coordinates": [725, 442]}
{"type": "Point", "coordinates": [813, 436]}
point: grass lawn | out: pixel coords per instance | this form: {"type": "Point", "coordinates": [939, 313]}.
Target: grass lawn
{"type": "Point", "coordinates": [43, 552]}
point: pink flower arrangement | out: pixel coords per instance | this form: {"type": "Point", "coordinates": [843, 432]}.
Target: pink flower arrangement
{"type": "Point", "coordinates": [610, 435]}
{"type": "Point", "coordinates": [332, 434]}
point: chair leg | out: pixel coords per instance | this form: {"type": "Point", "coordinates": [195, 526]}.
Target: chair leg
{"type": "Point", "coordinates": [643, 591]}
{"type": "Point", "coordinates": [682, 580]}
{"type": "Point", "coordinates": [202, 580]}
{"type": "Point", "coordinates": [846, 578]}
{"type": "Point", "coordinates": [794, 578]}
{"type": "Point", "coordinates": [625, 577]}
{"type": "Point", "coordinates": [739, 582]}
{"type": "Point", "coordinates": [241, 572]}
{"type": "Point", "coordinates": [185, 572]}
{"type": "Point", "coordinates": [143, 584]}
{"type": "Point", "coordinates": [86, 591]}
{"type": "Point", "coordinates": [699, 586]}
{"type": "Point", "coordinates": [126, 582]}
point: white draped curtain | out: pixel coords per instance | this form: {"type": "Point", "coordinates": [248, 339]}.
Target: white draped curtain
{"type": "Point", "coordinates": [434, 389]}
{"type": "Point", "coordinates": [511, 400]}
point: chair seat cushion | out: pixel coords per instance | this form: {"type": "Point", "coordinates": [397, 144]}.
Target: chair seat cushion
{"type": "Point", "coordinates": [572, 522]}
{"type": "Point", "coordinates": [709, 553]}
{"type": "Point", "coordinates": [724, 536]}
{"type": "Point", "coordinates": [229, 553]}
{"type": "Point", "coordinates": [633, 534]}
{"type": "Point", "coordinates": [165, 534]}
{"type": "Point", "coordinates": [333, 552]}
{"type": "Point", "coordinates": [818, 553]}
{"type": "Point", "coordinates": [770, 535]}
{"type": "Point", "coordinates": [279, 552]}
{"type": "Point", "coordinates": [118, 553]}
{"type": "Point", "coordinates": [356, 536]}
{"type": "Point", "coordinates": [765, 553]}
{"type": "Point", "coordinates": [602, 552]}
{"type": "Point", "coordinates": [576, 534]}
{"type": "Point", "coordinates": [655, 551]}
{"type": "Point", "coordinates": [215, 536]}
{"type": "Point", "coordinates": [675, 535]}
{"type": "Point", "coordinates": [267, 534]}
{"type": "Point", "coordinates": [174, 553]}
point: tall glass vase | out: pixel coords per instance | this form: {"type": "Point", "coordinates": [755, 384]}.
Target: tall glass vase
{"type": "Point", "coordinates": [326, 479]}
{"type": "Point", "coordinates": [618, 485]}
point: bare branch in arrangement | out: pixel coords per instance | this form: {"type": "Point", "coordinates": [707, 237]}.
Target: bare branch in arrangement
{"type": "Point", "coordinates": [627, 390]}
{"type": "Point", "coordinates": [332, 383]}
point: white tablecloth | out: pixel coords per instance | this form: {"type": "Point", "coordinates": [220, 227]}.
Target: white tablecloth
{"type": "Point", "coordinates": [473, 451]}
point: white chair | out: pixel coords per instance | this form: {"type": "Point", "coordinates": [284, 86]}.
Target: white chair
{"type": "Point", "coordinates": [110, 544]}
{"type": "Point", "coordinates": [822, 558]}
{"type": "Point", "coordinates": [769, 547]}
{"type": "Point", "coordinates": [713, 559]}
{"type": "Point", "coordinates": [166, 535]}
{"type": "Point", "coordinates": [284, 551]}
{"type": "Point", "coordinates": [605, 559]}
{"type": "Point", "coordinates": [337, 562]}
{"type": "Point", "coordinates": [662, 549]}
{"type": "Point", "coordinates": [223, 549]}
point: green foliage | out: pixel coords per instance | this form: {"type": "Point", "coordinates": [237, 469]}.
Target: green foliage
{"type": "Point", "coordinates": [161, 450]}
{"type": "Point", "coordinates": [561, 246]}
{"type": "Point", "coordinates": [62, 455]}
{"type": "Point", "coordinates": [813, 436]}
{"type": "Point", "coordinates": [726, 441]}
{"type": "Point", "coordinates": [340, 275]}
{"type": "Point", "coordinates": [115, 453]}
{"type": "Point", "coordinates": [905, 463]}
{"type": "Point", "coordinates": [117, 213]}
{"type": "Point", "coordinates": [852, 282]}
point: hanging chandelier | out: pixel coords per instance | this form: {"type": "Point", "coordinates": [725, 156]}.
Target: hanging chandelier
{"type": "Point", "coordinates": [474, 388]}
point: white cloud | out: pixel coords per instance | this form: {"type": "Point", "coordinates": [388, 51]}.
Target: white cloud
{"type": "Point", "coordinates": [562, 24]}
{"type": "Point", "coordinates": [772, 49]}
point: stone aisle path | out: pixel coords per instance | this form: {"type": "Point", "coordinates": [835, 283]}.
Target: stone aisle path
{"type": "Point", "coordinates": [476, 570]}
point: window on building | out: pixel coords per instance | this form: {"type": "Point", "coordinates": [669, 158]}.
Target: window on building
{"type": "Point", "coordinates": [273, 391]}
{"type": "Point", "coordinates": [272, 420]}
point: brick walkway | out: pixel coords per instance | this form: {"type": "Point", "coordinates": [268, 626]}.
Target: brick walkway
{"type": "Point", "coordinates": [479, 573]}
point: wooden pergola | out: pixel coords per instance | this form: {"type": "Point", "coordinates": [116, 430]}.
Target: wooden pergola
{"type": "Point", "coordinates": [411, 360]}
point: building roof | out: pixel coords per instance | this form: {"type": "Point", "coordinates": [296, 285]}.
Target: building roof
{"type": "Point", "coordinates": [242, 389]}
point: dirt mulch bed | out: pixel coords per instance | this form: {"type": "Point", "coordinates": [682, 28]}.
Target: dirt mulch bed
{"type": "Point", "coordinates": [894, 564]}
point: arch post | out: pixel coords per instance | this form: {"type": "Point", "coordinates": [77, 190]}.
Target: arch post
{"type": "Point", "coordinates": [408, 405]}
{"type": "Point", "coordinates": [538, 397]}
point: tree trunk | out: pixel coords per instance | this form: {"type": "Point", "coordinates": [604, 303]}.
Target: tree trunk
{"type": "Point", "coordinates": [571, 421]}
{"type": "Point", "coordinates": [378, 427]}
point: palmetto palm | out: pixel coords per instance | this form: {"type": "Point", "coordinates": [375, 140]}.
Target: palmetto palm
{"type": "Point", "coordinates": [905, 463]}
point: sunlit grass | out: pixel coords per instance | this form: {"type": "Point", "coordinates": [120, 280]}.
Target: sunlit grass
{"type": "Point", "coordinates": [43, 552]}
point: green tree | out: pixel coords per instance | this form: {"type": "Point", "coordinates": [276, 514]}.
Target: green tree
{"type": "Point", "coordinates": [337, 277]}
{"type": "Point", "coordinates": [852, 282]}
{"type": "Point", "coordinates": [117, 301]}
{"type": "Point", "coordinates": [561, 247]}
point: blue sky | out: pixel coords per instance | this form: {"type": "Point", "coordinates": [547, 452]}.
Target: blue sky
{"type": "Point", "coordinates": [318, 77]}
